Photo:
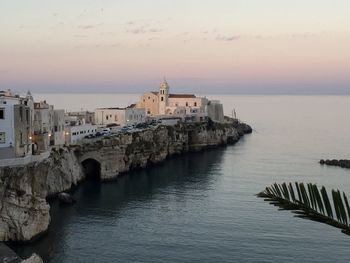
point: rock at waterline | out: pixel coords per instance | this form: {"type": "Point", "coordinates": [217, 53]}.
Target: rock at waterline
{"type": "Point", "coordinates": [33, 259]}
{"type": "Point", "coordinates": [7, 255]}
{"type": "Point", "coordinates": [340, 163]}
{"type": "Point", "coordinates": [66, 198]}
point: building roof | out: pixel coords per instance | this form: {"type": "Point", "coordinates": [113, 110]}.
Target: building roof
{"type": "Point", "coordinates": [111, 108]}
{"type": "Point", "coordinates": [185, 96]}
{"type": "Point", "coordinates": [155, 92]}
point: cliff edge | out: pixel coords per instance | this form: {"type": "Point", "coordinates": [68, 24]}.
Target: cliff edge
{"type": "Point", "coordinates": [24, 211]}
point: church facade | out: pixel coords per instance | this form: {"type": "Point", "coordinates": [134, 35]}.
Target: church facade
{"type": "Point", "coordinates": [163, 102]}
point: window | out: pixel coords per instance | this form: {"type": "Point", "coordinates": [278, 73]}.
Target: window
{"type": "Point", "coordinates": [195, 104]}
{"type": "Point", "coordinates": [2, 113]}
{"type": "Point", "coordinates": [21, 138]}
{"type": "Point", "coordinates": [162, 98]}
{"type": "Point", "coordinates": [21, 113]}
{"type": "Point", "coordinates": [186, 104]}
{"type": "Point", "coordinates": [27, 116]}
{"type": "Point", "coordinates": [2, 137]}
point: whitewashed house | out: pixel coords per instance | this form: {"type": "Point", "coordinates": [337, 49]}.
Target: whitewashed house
{"type": "Point", "coordinates": [48, 126]}
{"type": "Point", "coordinates": [15, 126]}
{"type": "Point", "coordinates": [120, 116]}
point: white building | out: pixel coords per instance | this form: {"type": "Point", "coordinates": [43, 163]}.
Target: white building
{"type": "Point", "coordinates": [120, 116]}
{"type": "Point", "coordinates": [59, 127]}
{"type": "Point", "coordinates": [48, 125]}
{"type": "Point", "coordinates": [15, 126]}
{"type": "Point", "coordinates": [75, 133]}
{"type": "Point", "coordinates": [43, 125]}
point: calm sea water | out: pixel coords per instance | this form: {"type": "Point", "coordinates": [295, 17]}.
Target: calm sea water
{"type": "Point", "coordinates": [202, 207]}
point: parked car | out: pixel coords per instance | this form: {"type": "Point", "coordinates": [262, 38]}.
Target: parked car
{"type": "Point", "coordinates": [98, 134]}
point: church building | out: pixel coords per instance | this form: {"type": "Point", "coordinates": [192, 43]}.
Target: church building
{"type": "Point", "coordinates": [163, 102]}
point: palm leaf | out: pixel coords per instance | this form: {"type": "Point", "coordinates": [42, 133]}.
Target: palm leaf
{"type": "Point", "coordinates": [326, 202]}
{"type": "Point", "coordinates": [311, 203]}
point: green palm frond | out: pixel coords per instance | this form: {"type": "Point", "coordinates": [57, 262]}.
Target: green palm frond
{"type": "Point", "coordinates": [310, 202]}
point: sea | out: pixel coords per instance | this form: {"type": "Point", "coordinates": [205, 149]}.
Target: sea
{"type": "Point", "coordinates": [202, 207]}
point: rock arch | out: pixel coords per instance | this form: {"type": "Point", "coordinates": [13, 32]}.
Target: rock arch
{"type": "Point", "coordinates": [91, 168]}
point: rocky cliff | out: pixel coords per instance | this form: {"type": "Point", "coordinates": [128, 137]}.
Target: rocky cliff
{"type": "Point", "coordinates": [119, 154]}
{"type": "Point", "coordinates": [24, 212]}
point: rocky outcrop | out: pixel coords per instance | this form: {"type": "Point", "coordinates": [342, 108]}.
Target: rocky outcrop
{"type": "Point", "coordinates": [66, 198]}
{"type": "Point", "coordinates": [7, 255]}
{"type": "Point", "coordinates": [33, 259]}
{"type": "Point", "coordinates": [340, 163]}
{"type": "Point", "coordinates": [121, 153]}
{"type": "Point", "coordinates": [24, 212]}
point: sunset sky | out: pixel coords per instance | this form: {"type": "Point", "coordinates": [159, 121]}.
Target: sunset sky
{"type": "Point", "coordinates": [205, 46]}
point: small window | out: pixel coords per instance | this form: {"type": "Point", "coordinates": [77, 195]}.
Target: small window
{"type": "Point", "coordinates": [21, 113]}
{"type": "Point", "coordinates": [195, 104]}
{"type": "Point", "coordinates": [2, 137]}
{"type": "Point", "coordinates": [27, 116]}
{"type": "Point", "coordinates": [162, 98]}
{"type": "Point", "coordinates": [186, 104]}
{"type": "Point", "coordinates": [2, 114]}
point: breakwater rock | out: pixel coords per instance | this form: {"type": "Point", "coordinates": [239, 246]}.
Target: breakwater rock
{"type": "Point", "coordinates": [340, 163]}
{"type": "Point", "coordinates": [24, 211]}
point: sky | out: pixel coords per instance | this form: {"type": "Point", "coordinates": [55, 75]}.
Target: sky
{"type": "Point", "coordinates": [203, 46]}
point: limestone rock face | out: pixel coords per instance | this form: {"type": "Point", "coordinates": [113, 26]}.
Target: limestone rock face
{"type": "Point", "coordinates": [65, 171]}
{"type": "Point", "coordinates": [121, 153]}
{"type": "Point", "coordinates": [33, 259]}
{"type": "Point", "coordinates": [24, 212]}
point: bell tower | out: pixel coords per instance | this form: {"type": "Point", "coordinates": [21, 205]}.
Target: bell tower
{"type": "Point", "coordinates": [163, 96]}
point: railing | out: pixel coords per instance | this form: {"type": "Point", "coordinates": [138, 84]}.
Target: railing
{"type": "Point", "coordinates": [24, 160]}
